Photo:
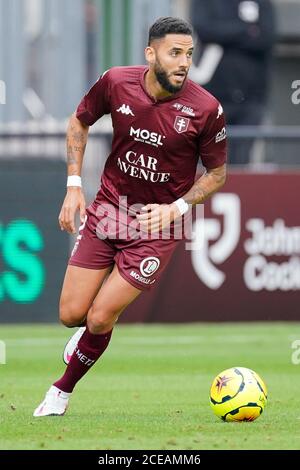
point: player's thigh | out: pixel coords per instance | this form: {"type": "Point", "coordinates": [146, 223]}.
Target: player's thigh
{"type": "Point", "coordinates": [80, 288]}
{"type": "Point", "coordinates": [110, 301]}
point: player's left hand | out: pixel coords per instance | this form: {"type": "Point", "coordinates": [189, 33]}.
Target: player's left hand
{"type": "Point", "coordinates": [155, 217]}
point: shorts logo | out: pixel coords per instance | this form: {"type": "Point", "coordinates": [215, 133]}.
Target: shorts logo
{"type": "Point", "coordinates": [181, 124]}
{"type": "Point", "coordinates": [149, 265]}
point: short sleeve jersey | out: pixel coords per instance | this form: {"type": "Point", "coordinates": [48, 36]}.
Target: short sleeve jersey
{"type": "Point", "coordinates": [156, 143]}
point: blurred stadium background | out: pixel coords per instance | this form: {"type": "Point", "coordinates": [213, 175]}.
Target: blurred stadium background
{"type": "Point", "coordinates": [51, 51]}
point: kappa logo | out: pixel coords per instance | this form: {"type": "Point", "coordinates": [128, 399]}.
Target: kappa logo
{"type": "Point", "coordinates": [181, 124]}
{"type": "Point", "coordinates": [149, 265]}
{"type": "Point", "coordinates": [125, 109]}
{"type": "Point", "coordinates": [221, 135]}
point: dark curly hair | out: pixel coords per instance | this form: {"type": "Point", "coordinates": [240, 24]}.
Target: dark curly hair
{"type": "Point", "coordinates": [168, 25]}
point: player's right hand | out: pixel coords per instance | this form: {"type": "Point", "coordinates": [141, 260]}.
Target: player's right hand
{"type": "Point", "coordinates": [74, 201]}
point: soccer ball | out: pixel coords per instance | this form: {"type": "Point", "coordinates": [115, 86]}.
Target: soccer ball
{"type": "Point", "coordinates": [238, 394]}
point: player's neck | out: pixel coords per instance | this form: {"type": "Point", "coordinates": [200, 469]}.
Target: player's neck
{"type": "Point", "coordinates": [154, 88]}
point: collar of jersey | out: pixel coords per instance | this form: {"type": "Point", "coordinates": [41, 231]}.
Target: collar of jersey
{"type": "Point", "coordinates": [168, 98]}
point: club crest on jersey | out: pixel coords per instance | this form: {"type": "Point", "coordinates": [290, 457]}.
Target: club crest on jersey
{"type": "Point", "coordinates": [181, 124]}
{"type": "Point", "coordinates": [149, 265]}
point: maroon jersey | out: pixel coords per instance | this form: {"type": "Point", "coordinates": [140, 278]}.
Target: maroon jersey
{"type": "Point", "coordinates": [156, 143]}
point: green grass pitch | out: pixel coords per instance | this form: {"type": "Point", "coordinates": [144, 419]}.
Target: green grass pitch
{"type": "Point", "coordinates": [150, 390]}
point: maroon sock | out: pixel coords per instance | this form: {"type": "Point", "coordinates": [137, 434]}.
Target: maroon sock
{"type": "Point", "coordinates": [90, 347]}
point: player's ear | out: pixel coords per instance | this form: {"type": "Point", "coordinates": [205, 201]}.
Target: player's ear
{"type": "Point", "coordinates": [150, 54]}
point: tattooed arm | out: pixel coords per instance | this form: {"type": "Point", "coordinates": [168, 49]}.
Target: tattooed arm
{"type": "Point", "coordinates": [77, 134]}
{"type": "Point", "coordinates": [210, 182]}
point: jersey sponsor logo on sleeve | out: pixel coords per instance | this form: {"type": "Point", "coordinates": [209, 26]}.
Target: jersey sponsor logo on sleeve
{"type": "Point", "coordinates": [125, 109]}
{"type": "Point", "coordinates": [221, 135]}
{"type": "Point", "coordinates": [181, 124]}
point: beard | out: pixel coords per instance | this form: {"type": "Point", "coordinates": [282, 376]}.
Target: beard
{"type": "Point", "coordinates": [163, 80]}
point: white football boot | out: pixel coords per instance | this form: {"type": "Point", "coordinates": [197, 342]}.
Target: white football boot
{"type": "Point", "coordinates": [55, 403]}
{"type": "Point", "coordinates": [71, 344]}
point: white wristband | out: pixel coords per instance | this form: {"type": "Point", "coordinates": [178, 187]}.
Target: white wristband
{"type": "Point", "coordinates": [74, 180]}
{"type": "Point", "coordinates": [182, 205]}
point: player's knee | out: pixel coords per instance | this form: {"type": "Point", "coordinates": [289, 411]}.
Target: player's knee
{"type": "Point", "coordinates": [101, 322]}
{"type": "Point", "coordinates": [69, 314]}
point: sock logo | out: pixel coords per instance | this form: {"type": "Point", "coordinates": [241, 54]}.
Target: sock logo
{"type": "Point", "coordinates": [84, 359]}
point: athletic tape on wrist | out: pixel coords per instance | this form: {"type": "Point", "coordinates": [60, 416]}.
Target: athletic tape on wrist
{"type": "Point", "coordinates": [74, 180]}
{"type": "Point", "coordinates": [183, 206]}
